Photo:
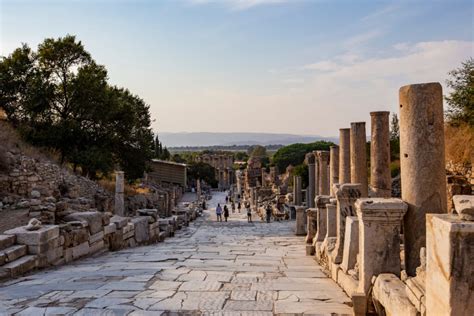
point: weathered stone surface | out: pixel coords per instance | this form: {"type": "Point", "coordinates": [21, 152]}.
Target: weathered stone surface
{"type": "Point", "coordinates": [380, 177]}
{"type": "Point", "coordinates": [359, 157]}
{"type": "Point", "coordinates": [344, 155]}
{"type": "Point", "coordinates": [300, 222]}
{"type": "Point", "coordinates": [464, 206]}
{"type": "Point", "coordinates": [422, 163]}
{"type": "Point", "coordinates": [119, 193]}
{"type": "Point", "coordinates": [379, 238]}
{"type": "Point", "coordinates": [6, 241]}
{"type": "Point", "coordinates": [311, 162]}
{"type": "Point", "coordinates": [351, 244]}
{"type": "Point", "coordinates": [389, 292]}
{"type": "Point", "coordinates": [14, 252]}
{"type": "Point", "coordinates": [449, 268]}
{"type": "Point", "coordinates": [19, 267]}
{"type": "Point", "coordinates": [94, 219]}
{"type": "Point", "coordinates": [36, 237]}
{"type": "Point", "coordinates": [141, 229]}
{"type": "Point", "coordinates": [312, 224]}
{"type": "Point", "coordinates": [333, 168]}
{"type": "Point", "coordinates": [119, 221]}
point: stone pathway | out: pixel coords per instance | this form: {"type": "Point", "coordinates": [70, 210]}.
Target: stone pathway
{"type": "Point", "coordinates": [232, 268]}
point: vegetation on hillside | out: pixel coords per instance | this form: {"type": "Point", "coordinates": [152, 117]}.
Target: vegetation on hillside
{"type": "Point", "coordinates": [295, 154]}
{"type": "Point", "coordinates": [58, 97]}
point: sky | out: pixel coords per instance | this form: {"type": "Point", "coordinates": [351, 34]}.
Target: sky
{"type": "Point", "coordinates": [305, 67]}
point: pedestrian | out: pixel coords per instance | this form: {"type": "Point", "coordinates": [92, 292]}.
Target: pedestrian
{"type": "Point", "coordinates": [226, 212]}
{"type": "Point", "coordinates": [233, 207]}
{"type": "Point", "coordinates": [249, 213]}
{"type": "Point", "coordinates": [239, 206]}
{"type": "Point", "coordinates": [226, 199]}
{"type": "Point", "coordinates": [219, 213]}
{"type": "Point", "coordinates": [269, 212]}
{"type": "Point", "coordinates": [204, 205]}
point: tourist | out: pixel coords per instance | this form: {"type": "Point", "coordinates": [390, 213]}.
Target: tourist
{"type": "Point", "coordinates": [239, 206]}
{"type": "Point", "coordinates": [233, 207]}
{"type": "Point", "coordinates": [226, 199]}
{"type": "Point", "coordinates": [204, 205]}
{"type": "Point", "coordinates": [226, 212]}
{"type": "Point", "coordinates": [249, 213]}
{"type": "Point", "coordinates": [219, 213]}
{"type": "Point", "coordinates": [269, 213]}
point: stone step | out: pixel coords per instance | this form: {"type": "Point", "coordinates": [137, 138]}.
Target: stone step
{"type": "Point", "coordinates": [12, 253]}
{"type": "Point", "coordinates": [6, 241]}
{"type": "Point", "coordinates": [18, 267]}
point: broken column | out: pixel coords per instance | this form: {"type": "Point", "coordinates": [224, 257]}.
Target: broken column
{"type": "Point", "coordinates": [346, 196]}
{"type": "Point", "coordinates": [351, 244]}
{"type": "Point", "coordinates": [323, 164]}
{"type": "Point", "coordinates": [300, 221]}
{"type": "Point", "coordinates": [380, 177]}
{"type": "Point", "coordinates": [310, 161]}
{"type": "Point", "coordinates": [119, 190]}
{"type": "Point", "coordinates": [423, 175]}
{"type": "Point", "coordinates": [449, 266]}
{"type": "Point", "coordinates": [311, 228]}
{"type": "Point", "coordinates": [321, 202]}
{"type": "Point", "coordinates": [334, 168]}
{"type": "Point", "coordinates": [359, 157]}
{"type": "Point", "coordinates": [379, 238]}
{"type": "Point", "coordinates": [345, 155]}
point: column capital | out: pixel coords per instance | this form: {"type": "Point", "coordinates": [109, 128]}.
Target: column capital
{"type": "Point", "coordinates": [322, 200]}
{"type": "Point", "coordinates": [388, 211]}
{"type": "Point", "coordinates": [310, 159]}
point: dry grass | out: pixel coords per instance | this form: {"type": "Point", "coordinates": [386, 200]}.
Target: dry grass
{"type": "Point", "coordinates": [459, 145]}
{"type": "Point", "coordinates": [130, 189]}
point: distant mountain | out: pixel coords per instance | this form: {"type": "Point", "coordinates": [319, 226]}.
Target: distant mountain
{"type": "Point", "coordinates": [229, 139]}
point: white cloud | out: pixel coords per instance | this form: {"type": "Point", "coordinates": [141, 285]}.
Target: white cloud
{"type": "Point", "coordinates": [240, 4]}
{"type": "Point", "coordinates": [381, 13]}
{"type": "Point", "coordinates": [362, 38]}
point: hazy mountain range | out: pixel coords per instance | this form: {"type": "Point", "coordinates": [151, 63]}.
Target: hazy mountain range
{"type": "Point", "coordinates": [228, 139]}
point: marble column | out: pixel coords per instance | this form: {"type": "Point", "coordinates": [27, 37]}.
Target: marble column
{"type": "Point", "coordinates": [297, 190]}
{"type": "Point", "coordinates": [321, 202]}
{"type": "Point", "coordinates": [119, 193]}
{"type": "Point", "coordinates": [359, 157]}
{"type": "Point", "coordinates": [422, 160]}
{"type": "Point", "coordinates": [379, 238]}
{"type": "Point", "coordinates": [334, 168]}
{"type": "Point", "coordinates": [310, 161]}
{"type": "Point", "coordinates": [380, 177]}
{"type": "Point", "coordinates": [300, 221]}
{"type": "Point", "coordinates": [345, 155]}
{"type": "Point", "coordinates": [323, 164]}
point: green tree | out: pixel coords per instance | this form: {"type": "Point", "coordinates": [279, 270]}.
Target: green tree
{"type": "Point", "coordinates": [461, 99]}
{"type": "Point", "coordinates": [203, 171]}
{"type": "Point", "coordinates": [295, 154]}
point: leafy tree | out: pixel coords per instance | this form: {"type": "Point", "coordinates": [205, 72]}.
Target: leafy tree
{"type": "Point", "coordinates": [461, 99]}
{"type": "Point", "coordinates": [242, 156]}
{"type": "Point", "coordinates": [59, 98]}
{"type": "Point", "coordinates": [295, 154]}
{"type": "Point", "coordinates": [394, 138]}
{"type": "Point", "coordinates": [203, 171]}
{"type": "Point", "coordinates": [302, 171]}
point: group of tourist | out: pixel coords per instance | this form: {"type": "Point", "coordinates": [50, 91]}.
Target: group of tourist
{"type": "Point", "coordinates": [225, 211]}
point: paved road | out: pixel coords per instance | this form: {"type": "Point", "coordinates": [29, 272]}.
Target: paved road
{"type": "Point", "coordinates": [232, 268]}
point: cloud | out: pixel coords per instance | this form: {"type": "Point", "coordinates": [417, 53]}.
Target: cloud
{"type": "Point", "coordinates": [381, 13]}
{"type": "Point", "coordinates": [240, 4]}
{"type": "Point", "coordinates": [363, 38]}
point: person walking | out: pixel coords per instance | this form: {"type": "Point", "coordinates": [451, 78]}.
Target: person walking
{"type": "Point", "coordinates": [239, 207]}
{"type": "Point", "coordinates": [233, 207]}
{"type": "Point", "coordinates": [226, 199]}
{"type": "Point", "coordinates": [269, 212]}
{"type": "Point", "coordinates": [226, 212]}
{"type": "Point", "coordinates": [219, 213]}
{"type": "Point", "coordinates": [249, 213]}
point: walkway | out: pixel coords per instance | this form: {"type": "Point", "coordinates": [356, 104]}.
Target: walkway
{"type": "Point", "coordinates": [208, 268]}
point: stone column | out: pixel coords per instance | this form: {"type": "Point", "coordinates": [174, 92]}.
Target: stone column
{"type": "Point", "coordinates": [198, 188]}
{"type": "Point", "coordinates": [449, 265]}
{"type": "Point", "coordinates": [423, 175]}
{"type": "Point", "coordinates": [316, 174]}
{"type": "Point", "coordinates": [380, 177]}
{"type": "Point", "coordinates": [379, 238]}
{"type": "Point", "coordinates": [359, 157]}
{"type": "Point", "coordinates": [323, 163]}
{"type": "Point", "coordinates": [321, 202]}
{"type": "Point", "coordinates": [334, 168]}
{"type": "Point", "coordinates": [345, 155]}
{"type": "Point", "coordinates": [119, 190]}
{"type": "Point", "coordinates": [297, 190]}
{"type": "Point", "coordinates": [346, 196]}
{"type": "Point", "coordinates": [311, 228]}
{"type": "Point", "coordinates": [300, 221]}
{"type": "Point", "coordinates": [310, 161]}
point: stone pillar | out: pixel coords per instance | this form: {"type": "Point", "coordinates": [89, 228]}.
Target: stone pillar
{"type": "Point", "coordinates": [351, 244]}
{"type": "Point", "coordinates": [334, 168]}
{"type": "Point", "coordinates": [323, 163]}
{"type": "Point", "coordinates": [300, 221]}
{"type": "Point", "coordinates": [119, 190]}
{"type": "Point", "coordinates": [345, 155]}
{"type": "Point", "coordinates": [297, 190]}
{"type": "Point", "coordinates": [380, 177]}
{"type": "Point", "coordinates": [312, 224]}
{"type": "Point", "coordinates": [359, 157]}
{"type": "Point", "coordinates": [331, 219]}
{"type": "Point", "coordinates": [346, 196]}
{"type": "Point", "coordinates": [423, 175]}
{"type": "Point", "coordinates": [310, 161]}
{"type": "Point", "coordinates": [321, 202]}
{"type": "Point", "coordinates": [379, 238]}
{"type": "Point", "coordinates": [198, 188]}
{"type": "Point", "coordinates": [449, 265]}
{"type": "Point", "coordinates": [316, 174]}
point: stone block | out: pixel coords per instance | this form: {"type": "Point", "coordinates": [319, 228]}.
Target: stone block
{"type": "Point", "coordinates": [96, 237]}
{"type": "Point", "coordinates": [359, 304]}
{"type": "Point", "coordinates": [351, 244]}
{"type": "Point", "coordinates": [44, 247]}
{"type": "Point", "coordinates": [449, 266]}
{"type": "Point", "coordinates": [347, 282]}
{"type": "Point", "coordinates": [310, 250]}
{"type": "Point", "coordinates": [94, 219]}
{"type": "Point", "coordinates": [14, 252]}
{"type": "Point", "coordinates": [389, 292]}
{"type": "Point", "coordinates": [19, 267]}
{"type": "Point", "coordinates": [97, 246]}
{"type": "Point", "coordinates": [80, 250]}
{"type": "Point", "coordinates": [109, 229]}
{"type": "Point", "coordinates": [6, 241]}
{"type": "Point", "coordinates": [464, 205]}
{"type": "Point", "coordinates": [141, 229]}
{"type": "Point", "coordinates": [35, 237]}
